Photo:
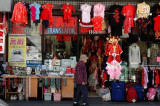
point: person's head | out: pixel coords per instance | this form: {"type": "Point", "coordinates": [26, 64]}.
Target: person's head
{"type": "Point", "coordinates": [84, 58]}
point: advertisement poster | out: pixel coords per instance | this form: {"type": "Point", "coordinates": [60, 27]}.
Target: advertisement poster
{"type": "Point", "coordinates": [34, 57]}
{"type": "Point", "coordinates": [17, 51]}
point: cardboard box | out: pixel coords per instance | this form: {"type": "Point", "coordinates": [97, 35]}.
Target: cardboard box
{"type": "Point", "coordinates": [73, 70]}
{"type": "Point", "coordinates": [49, 67]}
{"type": "Point", "coordinates": [56, 68]}
{"type": "Point", "coordinates": [56, 62]}
{"type": "Point", "coordinates": [66, 63]}
{"type": "Point", "coordinates": [73, 58]}
{"type": "Point", "coordinates": [47, 62]}
{"type": "Point", "coordinates": [68, 70]}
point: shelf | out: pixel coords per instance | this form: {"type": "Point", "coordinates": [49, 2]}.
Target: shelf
{"type": "Point", "coordinates": [14, 92]}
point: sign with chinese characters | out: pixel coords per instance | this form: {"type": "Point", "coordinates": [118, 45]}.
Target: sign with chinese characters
{"type": "Point", "coordinates": [18, 28]}
{"type": "Point", "coordinates": [17, 51]}
{"type": "Point", "coordinates": [2, 42]}
{"type": "Point", "coordinates": [65, 37]}
{"type": "Point", "coordinates": [60, 26]}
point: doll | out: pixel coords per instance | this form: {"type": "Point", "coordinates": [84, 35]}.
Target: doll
{"type": "Point", "coordinates": [114, 51]}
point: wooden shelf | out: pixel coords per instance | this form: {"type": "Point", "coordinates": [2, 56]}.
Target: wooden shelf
{"type": "Point", "coordinates": [14, 92]}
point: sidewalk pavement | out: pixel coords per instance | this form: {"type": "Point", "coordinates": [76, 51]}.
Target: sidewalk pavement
{"type": "Point", "coordinates": [91, 101]}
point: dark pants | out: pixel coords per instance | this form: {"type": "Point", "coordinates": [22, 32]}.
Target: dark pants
{"type": "Point", "coordinates": [81, 90]}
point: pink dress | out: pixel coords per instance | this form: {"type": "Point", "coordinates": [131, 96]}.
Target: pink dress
{"type": "Point", "coordinates": [99, 10]}
{"type": "Point", "coordinates": [33, 13]}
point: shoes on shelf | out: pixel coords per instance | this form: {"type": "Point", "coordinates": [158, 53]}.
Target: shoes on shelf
{"type": "Point", "coordinates": [20, 86]}
{"type": "Point", "coordinates": [15, 97]}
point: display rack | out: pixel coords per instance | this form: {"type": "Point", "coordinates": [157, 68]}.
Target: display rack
{"type": "Point", "coordinates": [6, 83]}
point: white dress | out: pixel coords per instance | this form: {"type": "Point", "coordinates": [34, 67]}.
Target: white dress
{"type": "Point", "coordinates": [86, 16]}
{"type": "Point", "coordinates": [134, 56]}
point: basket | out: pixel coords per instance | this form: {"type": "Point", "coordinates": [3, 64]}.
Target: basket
{"type": "Point", "coordinates": [47, 96]}
{"type": "Point", "coordinates": [57, 96]}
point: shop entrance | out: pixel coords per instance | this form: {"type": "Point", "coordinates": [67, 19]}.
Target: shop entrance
{"type": "Point", "coordinates": [94, 47]}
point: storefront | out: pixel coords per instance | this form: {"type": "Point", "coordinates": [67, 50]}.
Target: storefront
{"type": "Point", "coordinates": [46, 38]}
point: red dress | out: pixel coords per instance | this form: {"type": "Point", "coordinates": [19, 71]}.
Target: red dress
{"type": "Point", "coordinates": [47, 12]}
{"type": "Point", "coordinates": [129, 12]}
{"type": "Point", "coordinates": [67, 9]}
{"type": "Point", "coordinates": [19, 13]}
{"type": "Point", "coordinates": [114, 49]}
{"type": "Point", "coordinates": [157, 23]}
{"type": "Point", "coordinates": [97, 23]}
{"type": "Point", "coordinates": [45, 15]}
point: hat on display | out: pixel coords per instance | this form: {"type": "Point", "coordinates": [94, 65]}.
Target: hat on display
{"type": "Point", "coordinates": [83, 57]}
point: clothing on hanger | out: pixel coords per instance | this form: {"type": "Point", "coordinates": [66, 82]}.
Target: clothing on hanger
{"type": "Point", "coordinates": [86, 9]}
{"type": "Point", "coordinates": [129, 12]}
{"type": "Point", "coordinates": [19, 14]}
{"type": "Point", "coordinates": [99, 10]}
{"type": "Point", "coordinates": [143, 10]}
{"type": "Point", "coordinates": [134, 56]}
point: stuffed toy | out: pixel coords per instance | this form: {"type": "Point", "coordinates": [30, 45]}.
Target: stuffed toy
{"type": "Point", "coordinates": [114, 70]}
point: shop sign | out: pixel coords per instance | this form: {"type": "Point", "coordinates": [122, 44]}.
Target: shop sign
{"type": "Point", "coordinates": [65, 37]}
{"type": "Point", "coordinates": [60, 26]}
{"type": "Point", "coordinates": [2, 42]}
{"type": "Point", "coordinates": [33, 63]}
{"type": "Point", "coordinates": [17, 51]}
{"type": "Point", "coordinates": [18, 28]}
{"type": "Point", "coordinates": [158, 59]}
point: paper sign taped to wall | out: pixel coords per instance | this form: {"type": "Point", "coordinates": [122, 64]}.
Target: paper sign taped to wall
{"type": "Point", "coordinates": [158, 59]}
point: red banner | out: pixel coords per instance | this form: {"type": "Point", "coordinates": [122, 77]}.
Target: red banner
{"type": "Point", "coordinates": [18, 28]}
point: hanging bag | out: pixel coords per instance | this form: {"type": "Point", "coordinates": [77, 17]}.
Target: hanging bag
{"type": "Point", "coordinates": [151, 94]}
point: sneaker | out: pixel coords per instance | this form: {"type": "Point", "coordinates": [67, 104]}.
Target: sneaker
{"type": "Point", "coordinates": [15, 97]}
{"type": "Point", "coordinates": [85, 104]}
{"type": "Point", "coordinates": [20, 86]}
{"type": "Point", "coordinates": [76, 104]}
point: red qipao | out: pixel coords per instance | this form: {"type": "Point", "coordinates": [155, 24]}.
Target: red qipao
{"type": "Point", "coordinates": [157, 23]}
{"type": "Point", "coordinates": [116, 49]}
{"type": "Point", "coordinates": [47, 13]}
{"type": "Point", "coordinates": [97, 23]}
{"type": "Point", "coordinates": [67, 9]}
{"type": "Point", "coordinates": [129, 12]}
